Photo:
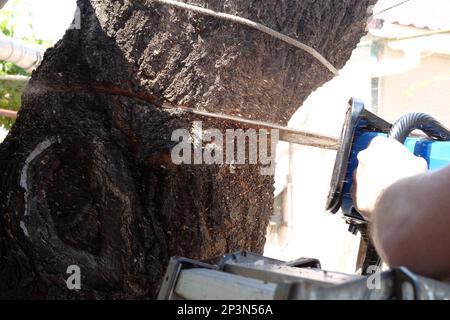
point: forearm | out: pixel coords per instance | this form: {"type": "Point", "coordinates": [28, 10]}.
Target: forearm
{"type": "Point", "coordinates": [411, 223]}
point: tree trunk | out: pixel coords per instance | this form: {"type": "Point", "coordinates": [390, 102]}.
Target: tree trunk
{"type": "Point", "coordinates": [86, 172]}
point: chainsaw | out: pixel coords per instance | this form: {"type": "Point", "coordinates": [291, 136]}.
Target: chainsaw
{"type": "Point", "coordinates": [244, 275]}
{"type": "Point", "coordinates": [360, 127]}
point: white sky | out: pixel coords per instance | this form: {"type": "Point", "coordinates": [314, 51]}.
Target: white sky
{"type": "Point", "coordinates": [49, 18]}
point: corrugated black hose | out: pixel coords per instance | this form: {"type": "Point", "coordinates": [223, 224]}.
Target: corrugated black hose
{"type": "Point", "coordinates": [416, 120]}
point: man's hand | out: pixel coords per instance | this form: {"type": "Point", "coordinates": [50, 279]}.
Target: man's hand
{"type": "Point", "coordinates": [383, 163]}
{"type": "Point", "coordinates": [407, 206]}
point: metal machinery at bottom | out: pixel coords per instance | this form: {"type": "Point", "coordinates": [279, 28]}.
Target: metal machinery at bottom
{"type": "Point", "coordinates": [247, 276]}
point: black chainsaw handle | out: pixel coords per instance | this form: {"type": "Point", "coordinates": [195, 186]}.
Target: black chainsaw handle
{"type": "Point", "coordinates": [401, 129]}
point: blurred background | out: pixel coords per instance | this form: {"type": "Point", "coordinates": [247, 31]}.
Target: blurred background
{"type": "Point", "coordinates": [401, 65]}
{"type": "Point", "coordinates": [27, 29]}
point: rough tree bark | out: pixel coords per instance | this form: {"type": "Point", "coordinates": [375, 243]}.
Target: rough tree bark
{"type": "Point", "coordinates": [86, 176]}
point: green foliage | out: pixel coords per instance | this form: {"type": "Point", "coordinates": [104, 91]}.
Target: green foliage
{"type": "Point", "coordinates": [11, 91]}
{"type": "Point", "coordinates": [10, 98]}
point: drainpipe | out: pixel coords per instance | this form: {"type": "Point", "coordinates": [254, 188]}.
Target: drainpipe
{"type": "Point", "coordinates": [8, 113]}
{"type": "Point", "coordinates": [14, 51]}
{"type": "Point", "coordinates": [22, 55]}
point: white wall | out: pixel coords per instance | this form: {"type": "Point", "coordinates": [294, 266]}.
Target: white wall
{"type": "Point", "coordinates": [425, 88]}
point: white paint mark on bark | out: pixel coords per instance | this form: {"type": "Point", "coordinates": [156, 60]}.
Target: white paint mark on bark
{"type": "Point", "coordinates": [40, 148]}
{"type": "Point", "coordinates": [24, 229]}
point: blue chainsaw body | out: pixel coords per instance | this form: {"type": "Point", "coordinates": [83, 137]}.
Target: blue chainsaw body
{"type": "Point", "coordinates": [360, 128]}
